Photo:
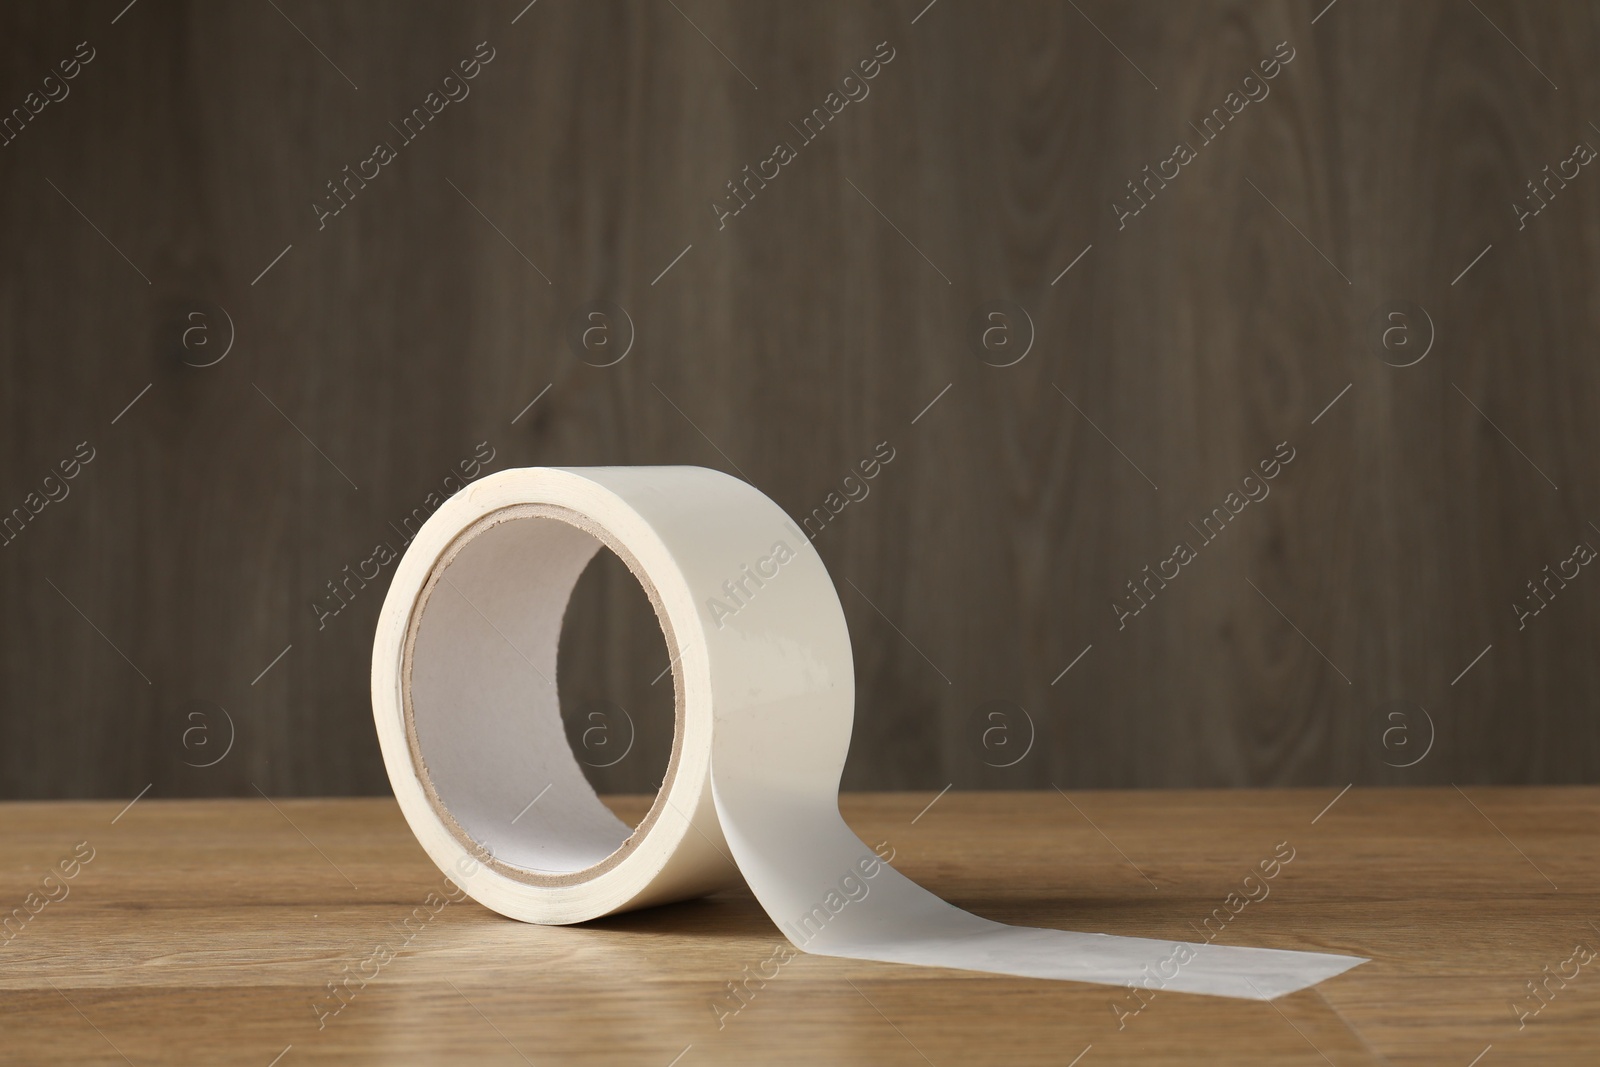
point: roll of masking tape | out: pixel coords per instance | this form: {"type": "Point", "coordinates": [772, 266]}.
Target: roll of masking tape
{"type": "Point", "coordinates": [464, 695]}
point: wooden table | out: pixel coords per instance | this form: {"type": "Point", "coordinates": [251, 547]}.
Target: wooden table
{"type": "Point", "coordinates": [208, 931]}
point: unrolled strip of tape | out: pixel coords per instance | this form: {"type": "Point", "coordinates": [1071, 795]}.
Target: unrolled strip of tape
{"type": "Point", "coordinates": [464, 695]}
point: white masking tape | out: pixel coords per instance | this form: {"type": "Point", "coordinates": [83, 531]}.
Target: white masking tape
{"type": "Point", "coordinates": [463, 691]}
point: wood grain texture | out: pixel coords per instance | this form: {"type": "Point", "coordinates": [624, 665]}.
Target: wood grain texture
{"type": "Point", "coordinates": [784, 345]}
{"type": "Point", "coordinates": [208, 931]}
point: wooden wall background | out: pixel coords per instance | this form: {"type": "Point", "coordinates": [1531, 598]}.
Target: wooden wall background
{"type": "Point", "coordinates": [1177, 352]}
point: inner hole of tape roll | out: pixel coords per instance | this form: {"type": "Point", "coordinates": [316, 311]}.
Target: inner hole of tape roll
{"type": "Point", "coordinates": [484, 713]}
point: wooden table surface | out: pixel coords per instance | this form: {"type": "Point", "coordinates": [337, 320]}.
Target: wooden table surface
{"type": "Point", "coordinates": [207, 932]}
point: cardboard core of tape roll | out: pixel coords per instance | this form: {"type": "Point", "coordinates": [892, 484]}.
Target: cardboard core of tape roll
{"type": "Point", "coordinates": [468, 716]}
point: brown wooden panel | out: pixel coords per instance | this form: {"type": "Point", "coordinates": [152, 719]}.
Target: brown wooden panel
{"type": "Point", "coordinates": [408, 334]}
